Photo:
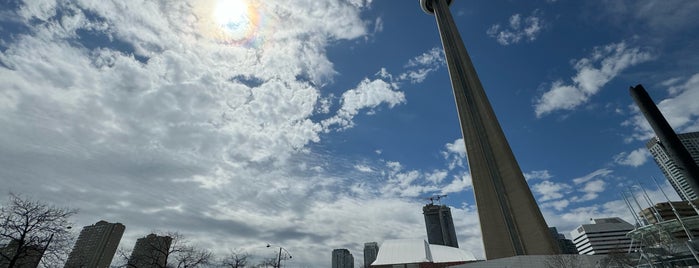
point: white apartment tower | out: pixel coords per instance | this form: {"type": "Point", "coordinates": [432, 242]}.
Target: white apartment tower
{"type": "Point", "coordinates": [671, 171]}
{"type": "Point", "coordinates": [602, 236]}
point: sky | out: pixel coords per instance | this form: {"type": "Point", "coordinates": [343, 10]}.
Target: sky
{"type": "Point", "coordinates": [322, 124]}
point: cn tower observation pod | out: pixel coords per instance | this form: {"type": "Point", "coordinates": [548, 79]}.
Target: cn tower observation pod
{"type": "Point", "coordinates": [426, 5]}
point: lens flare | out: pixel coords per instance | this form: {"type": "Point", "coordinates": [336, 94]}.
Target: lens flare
{"type": "Point", "coordinates": [237, 21]}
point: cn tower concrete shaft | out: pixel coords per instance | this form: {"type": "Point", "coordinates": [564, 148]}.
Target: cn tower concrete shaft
{"type": "Point", "coordinates": [511, 222]}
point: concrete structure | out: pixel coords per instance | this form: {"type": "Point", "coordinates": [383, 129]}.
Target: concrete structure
{"type": "Point", "coordinates": [565, 245]}
{"type": "Point", "coordinates": [671, 170]}
{"type": "Point", "coordinates": [511, 222]}
{"type": "Point", "coordinates": [676, 152]}
{"type": "Point", "coordinates": [540, 261]}
{"type": "Point", "coordinates": [96, 245]}
{"type": "Point", "coordinates": [342, 258]}
{"type": "Point", "coordinates": [416, 253]}
{"type": "Point", "coordinates": [602, 236]}
{"type": "Point", "coordinates": [29, 258]}
{"type": "Point", "coordinates": [439, 225]}
{"type": "Point", "coordinates": [371, 250]}
{"type": "Point", "coordinates": [150, 252]}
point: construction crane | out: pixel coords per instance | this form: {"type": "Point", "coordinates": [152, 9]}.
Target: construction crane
{"type": "Point", "coordinates": [436, 198]}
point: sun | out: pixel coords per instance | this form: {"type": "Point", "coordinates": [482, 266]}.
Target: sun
{"type": "Point", "coordinates": [234, 18]}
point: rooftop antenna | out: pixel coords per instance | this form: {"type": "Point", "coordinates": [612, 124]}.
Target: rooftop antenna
{"type": "Point", "coordinates": [436, 198]}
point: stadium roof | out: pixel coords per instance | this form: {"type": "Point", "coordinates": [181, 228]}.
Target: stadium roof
{"type": "Point", "coordinates": [401, 251]}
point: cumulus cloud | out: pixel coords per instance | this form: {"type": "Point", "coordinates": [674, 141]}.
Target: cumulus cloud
{"type": "Point", "coordinates": [455, 153]}
{"type": "Point", "coordinates": [593, 73]}
{"type": "Point", "coordinates": [549, 190]}
{"type": "Point", "coordinates": [635, 158]}
{"type": "Point", "coordinates": [518, 29]}
{"type": "Point", "coordinates": [156, 118]}
{"type": "Point", "coordinates": [538, 174]}
{"type": "Point", "coordinates": [369, 94]}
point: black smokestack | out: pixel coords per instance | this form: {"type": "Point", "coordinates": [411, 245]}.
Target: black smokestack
{"type": "Point", "coordinates": [667, 137]}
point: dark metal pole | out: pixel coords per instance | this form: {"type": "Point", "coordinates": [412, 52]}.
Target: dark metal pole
{"type": "Point", "coordinates": [279, 259]}
{"type": "Point", "coordinates": [667, 137]}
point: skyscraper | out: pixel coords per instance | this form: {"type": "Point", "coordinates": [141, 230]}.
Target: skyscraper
{"type": "Point", "coordinates": [371, 250]}
{"type": "Point", "coordinates": [96, 245]}
{"type": "Point", "coordinates": [668, 140]}
{"type": "Point", "coordinates": [439, 225]}
{"type": "Point", "coordinates": [342, 258]}
{"type": "Point", "coordinates": [150, 251]}
{"type": "Point", "coordinates": [670, 169]}
{"type": "Point", "coordinates": [511, 222]}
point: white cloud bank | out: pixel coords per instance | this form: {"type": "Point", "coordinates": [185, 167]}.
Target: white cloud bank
{"type": "Point", "coordinates": [593, 73]}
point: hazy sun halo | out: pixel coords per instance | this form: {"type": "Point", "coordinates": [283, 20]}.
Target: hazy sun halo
{"type": "Point", "coordinates": [233, 17]}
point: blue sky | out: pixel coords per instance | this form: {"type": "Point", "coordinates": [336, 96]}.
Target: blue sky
{"type": "Point", "coordinates": [324, 124]}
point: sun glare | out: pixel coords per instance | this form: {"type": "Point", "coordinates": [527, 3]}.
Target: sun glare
{"type": "Point", "coordinates": [234, 18]}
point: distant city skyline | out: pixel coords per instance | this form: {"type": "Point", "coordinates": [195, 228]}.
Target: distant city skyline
{"type": "Point", "coordinates": [323, 124]}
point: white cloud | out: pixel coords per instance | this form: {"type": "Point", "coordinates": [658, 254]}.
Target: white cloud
{"type": "Point", "coordinates": [363, 168]}
{"type": "Point", "coordinates": [455, 153]}
{"type": "Point", "coordinates": [538, 174]}
{"type": "Point", "coordinates": [593, 73]}
{"type": "Point", "coordinates": [197, 129]}
{"type": "Point", "coordinates": [518, 29]}
{"type": "Point", "coordinates": [635, 158]}
{"type": "Point", "coordinates": [592, 189]}
{"type": "Point", "coordinates": [369, 94]}
{"type": "Point", "coordinates": [458, 184]}
{"type": "Point", "coordinates": [549, 190]}
{"type": "Point", "coordinates": [597, 173]}
{"type": "Point", "coordinates": [437, 176]}
{"type": "Point", "coordinates": [421, 66]}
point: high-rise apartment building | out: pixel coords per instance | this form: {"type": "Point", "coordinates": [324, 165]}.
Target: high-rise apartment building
{"type": "Point", "coordinates": [371, 250]}
{"type": "Point", "coordinates": [96, 245]}
{"type": "Point", "coordinates": [670, 169]}
{"type": "Point", "coordinates": [602, 236]}
{"type": "Point", "coordinates": [439, 225]}
{"type": "Point", "coordinates": [150, 251]}
{"type": "Point", "coordinates": [28, 258]}
{"type": "Point", "coordinates": [342, 258]}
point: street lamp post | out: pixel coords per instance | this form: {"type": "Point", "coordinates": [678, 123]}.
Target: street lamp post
{"type": "Point", "coordinates": [279, 257]}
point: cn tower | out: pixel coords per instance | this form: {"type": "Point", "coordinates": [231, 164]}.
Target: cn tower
{"type": "Point", "coordinates": [511, 222]}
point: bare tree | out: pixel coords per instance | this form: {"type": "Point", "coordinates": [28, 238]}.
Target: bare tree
{"type": "Point", "coordinates": [32, 230]}
{"type": "Point", "coordinates": [190, 257]}
{"type": "Point", "coordinates": [236, 259]}
{"type": "Point", "coordinates": [269, 262]}
{"type": "Point", "coordinates": [564, 261]}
